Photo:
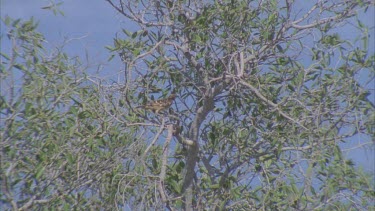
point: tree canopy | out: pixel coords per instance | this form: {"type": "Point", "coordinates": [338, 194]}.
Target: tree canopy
{"type": "Point", "coordinates": [264, 94]}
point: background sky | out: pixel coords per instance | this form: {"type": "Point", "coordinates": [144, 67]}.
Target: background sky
{"type": "Point", "coordinates": [90, 25]}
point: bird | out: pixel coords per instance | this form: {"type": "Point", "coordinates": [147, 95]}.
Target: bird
{"type": "Point", "coordinates": [158, 105]}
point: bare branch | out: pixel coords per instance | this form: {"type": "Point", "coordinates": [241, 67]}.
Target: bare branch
{"type": "Point", "coordinates": [161, 128]}
{"type": "Point", "coordinates": [275, 106]}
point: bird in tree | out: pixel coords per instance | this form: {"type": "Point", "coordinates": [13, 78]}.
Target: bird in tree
{"type": "Point", "coordinates": [158, 105]}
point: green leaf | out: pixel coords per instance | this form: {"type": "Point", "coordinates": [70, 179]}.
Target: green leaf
{"type": "Point", "coordinates": [39, 171]}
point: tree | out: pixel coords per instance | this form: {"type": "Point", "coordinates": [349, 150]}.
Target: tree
{"type": "Point", "coordinates": [266, 93]}
{"type": "Point", "coordinates": [58, 150]}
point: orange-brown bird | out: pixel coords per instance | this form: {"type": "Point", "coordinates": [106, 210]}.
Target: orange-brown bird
{"type": "Point", "coordinates": [159, 105]}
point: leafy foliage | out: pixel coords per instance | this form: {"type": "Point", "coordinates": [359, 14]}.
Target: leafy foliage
{"type": "Point", "coordinates": [267, 94]}
{"type": "Point", "coordinates": [57, 150]}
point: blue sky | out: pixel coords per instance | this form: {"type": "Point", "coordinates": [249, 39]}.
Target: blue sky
{"type": "Point", "coordinates": [91, 25]}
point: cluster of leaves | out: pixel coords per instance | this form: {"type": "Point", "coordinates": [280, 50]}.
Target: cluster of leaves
{"type": "Point", "coordinates": [57, 149]}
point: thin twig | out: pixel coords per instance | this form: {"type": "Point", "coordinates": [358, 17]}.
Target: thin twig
{"type": "Point", "coordinates": [269, 102]}
{"type": "Point", "coordinates": [155, 138]}
{"type": "Point", "coordinates": [163, 169]}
